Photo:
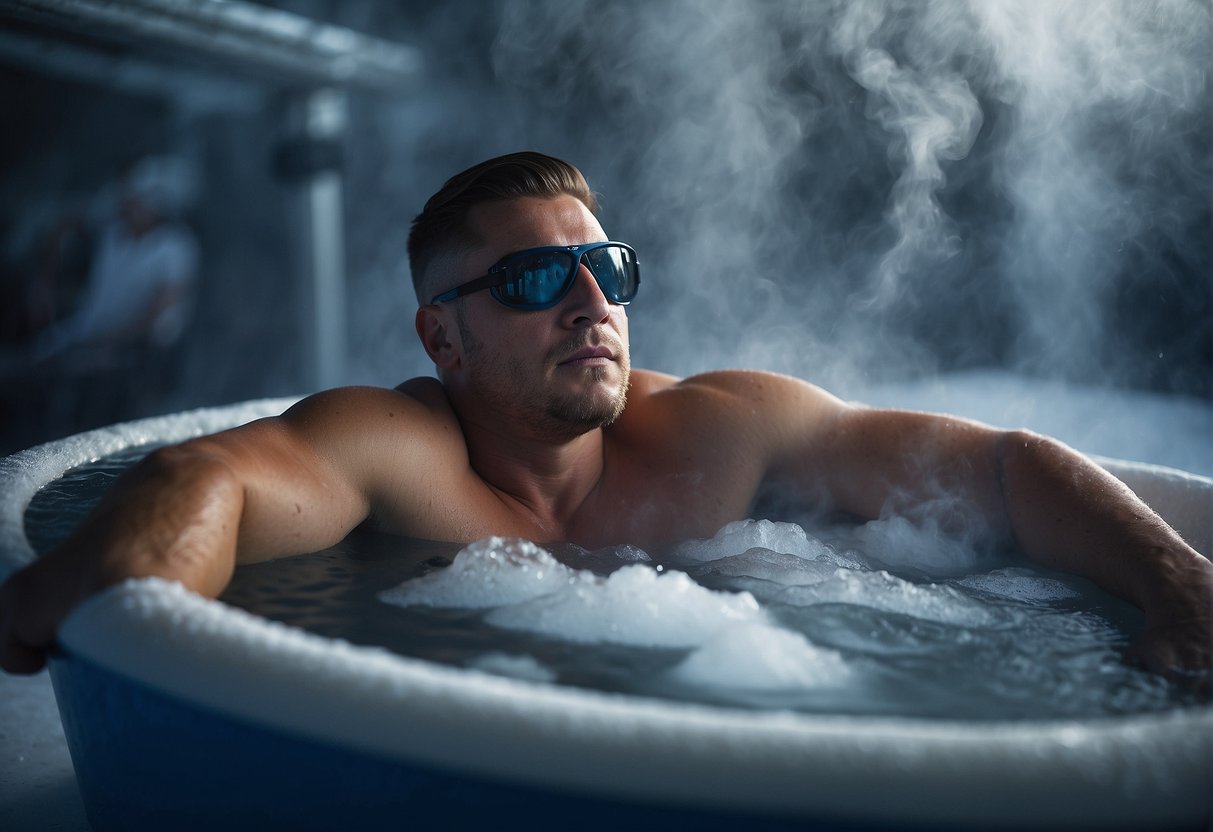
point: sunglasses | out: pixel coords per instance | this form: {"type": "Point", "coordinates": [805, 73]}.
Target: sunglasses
{"type": "Point", "coordinates": [539, 278]}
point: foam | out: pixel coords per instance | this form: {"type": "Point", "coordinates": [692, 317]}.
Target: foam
{"type": "Point", "coordinates": [758, 657]}
{"type": "Point", "coordinates": [742, 535]}
{"type": "Point", "coordinates": [527, 589]}
{"type": "Point", "coordinates": [920, 544]}
{"type": "Point", "coordinates": [492, 572]}
{"type": "Point", "coordinates": [1018, 584]}
{"type": "Point", "coordinates": [886, 592]}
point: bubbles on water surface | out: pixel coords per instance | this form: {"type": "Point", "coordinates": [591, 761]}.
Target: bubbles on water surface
{"type": "Point", "coordinates": [767, 615]}
{"type": "Point", "coordinates": [763, 615]}
{"type": "Point", "coordinates": [528, 589]}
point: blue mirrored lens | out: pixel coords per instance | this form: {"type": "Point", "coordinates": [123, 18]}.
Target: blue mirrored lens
{"type": "Point", "coordinates": [541, 279]}
{"type": "Point", "coordinates": [615, 272]}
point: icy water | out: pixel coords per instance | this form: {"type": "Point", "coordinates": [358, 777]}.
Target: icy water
{"type": "Point", "coordinates": [879, 619]}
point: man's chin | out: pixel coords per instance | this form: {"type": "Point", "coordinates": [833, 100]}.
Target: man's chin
{"type": "Point", "coordinates": [597, 407]}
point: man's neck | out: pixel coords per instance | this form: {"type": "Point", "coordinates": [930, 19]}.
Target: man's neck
{"type": "Point", "coordinates": [550, 479]}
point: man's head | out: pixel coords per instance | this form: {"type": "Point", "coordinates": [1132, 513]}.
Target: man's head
{"type": "Point", "coordinates": [554, 369]}
{"type": "Point", "coordinates": [443, 231]}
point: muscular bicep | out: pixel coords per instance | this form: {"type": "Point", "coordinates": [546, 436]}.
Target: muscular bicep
{"type": "Point", "coordinates": [313, 474]}
{"type": "Point", "coordinates": [866, 461]}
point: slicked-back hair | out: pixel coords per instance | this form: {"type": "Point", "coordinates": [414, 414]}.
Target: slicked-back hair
{"type": "Point", "coordinates": [442, 223]}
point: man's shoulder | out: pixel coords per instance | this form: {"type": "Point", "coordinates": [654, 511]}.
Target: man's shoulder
{"type": "Point", "coordinates": [411, 404]}
{"type": "Point", "coordinates": [728, 401]}
{"type": "Point", "coordinates": [747, 384]}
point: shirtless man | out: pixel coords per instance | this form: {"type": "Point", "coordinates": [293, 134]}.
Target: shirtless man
{"type": "Point", "coordinates": [537, 427]}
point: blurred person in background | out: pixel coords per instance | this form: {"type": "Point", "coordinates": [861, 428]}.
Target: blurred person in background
{"type": "Point", "coordinates": [111, 352]}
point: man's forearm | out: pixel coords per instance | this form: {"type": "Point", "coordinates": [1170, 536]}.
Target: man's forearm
{"type": "Point", "coordinates": [175, 516]}
{"type": "Point", "coordinates": [1069, 514]}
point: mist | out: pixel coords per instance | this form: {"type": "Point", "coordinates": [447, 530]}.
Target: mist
{"type": "Point", "coordinates": [852, 192]}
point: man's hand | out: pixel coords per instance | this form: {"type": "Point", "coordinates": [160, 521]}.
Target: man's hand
{"type": "Point", "coordinates": [274, 487]}
{"type": "Point", "coordinates": [1178, 640]}
{"type": "Point", "coordinates": [175, 516]}
{"type": "Point", "coordinates": [33, 603]}
{"type": "Point", "coordinates": [1181, 651]}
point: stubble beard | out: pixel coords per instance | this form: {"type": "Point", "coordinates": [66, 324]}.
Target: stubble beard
{"type": "Point", "coordinates": [587, 412]}
{"type": "Point", "coordinates": [551, 415]}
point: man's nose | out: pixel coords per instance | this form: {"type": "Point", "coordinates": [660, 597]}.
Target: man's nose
{"type": "Point", "coordinates": [585, 302]}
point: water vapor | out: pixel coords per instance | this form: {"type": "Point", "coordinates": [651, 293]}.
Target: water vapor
{"type": "Point", "coordinates": [847, 191]}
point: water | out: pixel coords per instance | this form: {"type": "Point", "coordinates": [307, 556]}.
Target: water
{"type": "Point", "coordinates": [763, 616]}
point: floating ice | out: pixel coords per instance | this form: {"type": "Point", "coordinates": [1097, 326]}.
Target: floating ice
{"type": "Point", "coordinates": [488, 573]}
{"type": "Point", "coordinates": [764, 615]}
{"type": "Point", "coordinates": [525, 588]}
{"type": "Point", "coordinates": [759, 657]}
{"type": "Point", "coordinates": [636, 606]}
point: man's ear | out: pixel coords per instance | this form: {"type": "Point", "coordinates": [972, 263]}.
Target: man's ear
{"type": "Point", "coordinates": [439, 336]}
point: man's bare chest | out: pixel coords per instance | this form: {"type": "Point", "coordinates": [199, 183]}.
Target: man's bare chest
{"type": "Point", "coordinates": [664, 496]}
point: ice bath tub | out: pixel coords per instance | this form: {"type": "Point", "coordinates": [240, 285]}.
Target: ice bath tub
{"type": "Point", "coordinates": [183, 713]}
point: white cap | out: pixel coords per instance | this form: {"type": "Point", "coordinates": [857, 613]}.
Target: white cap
{"type": "Point", "coordinates": [166, 183]}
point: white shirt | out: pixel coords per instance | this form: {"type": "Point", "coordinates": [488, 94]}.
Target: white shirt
{"type": "Point", "coordinates": [127, 275]}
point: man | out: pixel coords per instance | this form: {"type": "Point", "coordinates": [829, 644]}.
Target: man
{"type": "Point", "coordinates": [140, 284]}
{"type": "Point", "coordinates": [537, 427]}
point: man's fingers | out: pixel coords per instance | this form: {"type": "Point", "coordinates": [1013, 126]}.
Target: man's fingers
{"type": "Point", "coordinates": [29, 618]}
{"type": "Point", "coordinates": [1179, 652]}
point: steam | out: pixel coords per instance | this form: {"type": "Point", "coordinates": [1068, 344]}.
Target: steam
{"type": "Point", "coordinates": [852, 191]}
{"type": "Point", "coordinates": [1097, 89]}
{"type": "Point", "coordinates": [848, 191]}
{"type": "Point", "coordinates": [931, 116]}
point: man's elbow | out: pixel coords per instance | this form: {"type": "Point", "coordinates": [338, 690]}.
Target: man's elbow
{"type": "Point", "coordinates": [200, 463]}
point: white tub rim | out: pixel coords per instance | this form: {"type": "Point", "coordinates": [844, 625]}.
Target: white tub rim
{"type": "Point", "coordinates": [928, 770]}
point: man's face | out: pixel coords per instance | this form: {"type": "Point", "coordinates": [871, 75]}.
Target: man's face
{"type": "Point", "coordinates": [562, 370]}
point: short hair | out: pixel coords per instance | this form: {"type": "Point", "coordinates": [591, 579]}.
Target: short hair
{"type": "Point", "coordinates": [442, 223]}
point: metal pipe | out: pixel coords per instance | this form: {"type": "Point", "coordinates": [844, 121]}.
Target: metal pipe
{"type": "Point", "coordinates": [244, 37]}
{"type": "Point", "coordinates": [320, 116]}
{"type": "Point", "coordinates": [192, 91]}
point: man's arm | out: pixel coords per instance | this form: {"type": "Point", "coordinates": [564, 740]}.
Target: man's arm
{"type": "Point", "coordinates": [280, 486]}
{"type": "Point", "coordinates": [1059, 508]}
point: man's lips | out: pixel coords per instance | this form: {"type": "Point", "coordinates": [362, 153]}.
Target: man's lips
{"type": "Point", "coordinates": [589, 356]}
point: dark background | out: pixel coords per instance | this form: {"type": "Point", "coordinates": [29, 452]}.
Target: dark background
{"type": "Point", "coordinates": [853, 192]}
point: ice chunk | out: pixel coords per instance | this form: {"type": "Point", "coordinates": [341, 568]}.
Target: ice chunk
{"type": "Point", "coordinates": [759, 657]}
{"type": "Point", "coordinates": [488, 573]}
{"type": "Point", "coordinates": [636, 606]}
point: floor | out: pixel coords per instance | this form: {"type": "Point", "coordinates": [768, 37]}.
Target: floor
{"type": "Point", "coordinates": [37, 784]}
